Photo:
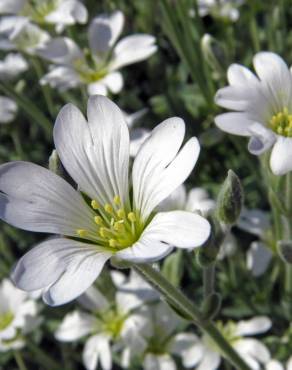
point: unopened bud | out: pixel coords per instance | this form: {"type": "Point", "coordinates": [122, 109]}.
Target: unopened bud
{"type": "Point", "coordinates": [55, 164]}
{"type": "Point", "coordinates": [211, 306]}
{"type": "Point", "coordinates": [230, 199]}
{"type": "Point", "coordinates": [285, 250]}
{"type": "Point", "coordinates": [214, 54]}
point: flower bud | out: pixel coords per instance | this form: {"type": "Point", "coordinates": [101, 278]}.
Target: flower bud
{"type": "Point", "coordinates": [211, 306]}
{"type": "Point", "coordinates": [55, 164]}
{"type": "Point", "coordinates": [214, 54]}
{"type": "Point", "coordinates": [285, 250]}
{"type": "Point", "coordinates": [230, 199]}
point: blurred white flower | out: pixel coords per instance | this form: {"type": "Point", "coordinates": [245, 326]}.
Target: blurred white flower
{"type": "Point", "coordinates": [17, 33]}
{"type": "Point", "coordinates": [205, 355]}
{"type": "Point", "coordinates": [110, 325]}
{"type": "Point", "coordinates": [104, 223]}
{"type": "Point", "coordinates": [96, 67]}
{"type": "Point", "coordinates": [226, 9]}
{"type": "Point", "coordinates": [8, 110]}
{"type": "Point", "coordinates": [258, 256]}
{"type": "Point", "coordinates": [276, 365]}
{"type": "Point", "coordinates": [157, 341]}
{"type": "Point", "coordinates": [263, 108]}
{"type": "Point", "coordinates": [12, 65]}
{"type": "Point", "coordinates": [18, 316]}
{"type": "Point", "coordinates": [62, 13]}
{"type": "Point", "coordinates": [196, 200]}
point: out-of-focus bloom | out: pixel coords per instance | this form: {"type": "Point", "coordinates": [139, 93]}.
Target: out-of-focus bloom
{"type": "Point", "coordinates": [18, 316]}
{"type": "Point", "coordinates": [99, 221]}
{"type": "Point", "coordinates": [61, 13]}
{"type": "Point", "coordinates": [96, 67]}
{"type": "Point", "coordinates": [109, 325]}
{"type": "Point", "coordinates": [196, 200]}
{"type": "Point", "coordinates": [8, 109]}
{"type": "Point", "coordinates": [225, 9]}
{"type": "Point", "coordinates": [276, 365]}
{"type": "Point", "coordinates": [157, 342]}
{"type": "Point", "coordinates": [257, 222]}
{"type": "Point", "coordinates": [17, 33]}
{"type": "Point", "coordinates": [263, 108]}
{"type": "Point", "coordinates": [205, 355]}
{"type": "Point", "coordinates": [12, 65]}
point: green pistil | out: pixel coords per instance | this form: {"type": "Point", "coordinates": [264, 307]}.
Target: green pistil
{"type": "Point", "coordinates": [112, 322]}
{"type": "Point", "coordinates": [281, 123]}
{"type": "Point", "coordinates": [5, 320]}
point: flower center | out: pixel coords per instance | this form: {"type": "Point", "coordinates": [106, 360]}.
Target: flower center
{"type": "Point", "coordinates": [116, 228]}
{"type": "Point", "coordinates": [113, 322]}
{"type": "Point", "coordinates": [89, 69]}
{"type": "Point", "coordinates": [5, 319]}
{"type": "Point", "coordinates": [228, 331]}
{"type": "Point", "coordinates": [37, 10]}
{"type": "Point", "coordinates": [281, 123]}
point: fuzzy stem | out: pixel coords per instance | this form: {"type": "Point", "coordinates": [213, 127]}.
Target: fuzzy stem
{"type": "Point", "coordinates": [180, 302]}
{"type": "Point", "coordinates": [19, 360]}
{"type": "Point", "coordinates": [209, 279]}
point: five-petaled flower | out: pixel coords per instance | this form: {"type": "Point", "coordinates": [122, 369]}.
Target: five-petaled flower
{"type": "Point", "coordinates": [263, 108]}
{"type": "Point", "coordinates": [107, 216]}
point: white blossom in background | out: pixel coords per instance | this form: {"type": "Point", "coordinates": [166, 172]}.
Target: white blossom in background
{"type": "Point", "coordinates": [12, 65]}
{"type": "Point", "coordinates": [259, 255]}
{"type": "Point", "coordinates": [195, 200]}
{"type": "Point", "coordinates": [203, 354]}
{"type": "Point", "coordinates": [18, 316]}
{"type": "Point", "coordinates": [225, 9]}
{"type": "Point", "coordinates": [97, 67]}
{"type": "Point", "coordinates": [109, 325]}
{"type": "Point", "coordinates": [262, 108]}
{"type": "Point", "coordinates": [8, 110]}
{"type": "Point", "coordinates": [60, 13]}
{"type": "Point", "coordinates": [111, 222]}
{"type": "Point", "coordinates": [17, 33]}
{"type": "Point", "coordinates": [157, 343]}
{"type": "Point", "coordinates": [276, 365]}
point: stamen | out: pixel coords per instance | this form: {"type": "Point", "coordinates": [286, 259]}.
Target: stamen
{"type": "Point", "coordinates": [119, 226]}
{"type": "Point", "coordinates": [98, 220]}
{"type": "Point", "coordinates": [132, 216]}
{"type": "Point", "coordinates": [104, 233]}
{"type": "Point", "coordinates": [117, 200]}
{"type": "Point", "coordinates": [121, 213]}
{"type": "Point", "coordinates": [108, 208]}
{"type": "Point", "coordinates": [94, 204]}
{"type": "Point", "coordinates": [112, 243]}
{"type": "Point", "coordinates": [81, 232]}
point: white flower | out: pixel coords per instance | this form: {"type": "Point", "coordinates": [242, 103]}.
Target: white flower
{"type": "Point", "coordinates": [59, 12]}
{"type": "Point", "coordinates": [205, 355]}
{"type": "Point", "coordinates": [12, 65]}
{"type": "Point", "coordinates": [100, 220]}
{"type": "Point", "coordinates": [259, 255]}
{"type": "Point", "coordinates": [8, 110]}
{"type": "Point", "coordinates": [157, 342]}
{"type": "Point", "coordinates": [17, 316]}
{"type": "Point", "coordinates": [276, 365]}
{"type": "Point", "coordinates": [263, 108]}
{"type": "Point", "coordinates": [96, 67]}
{"type": "Point", "coordinates": [108, 324]}
{"type": "Point", "coordinates": [196, 200]}
{"type": "Point", "coordinates": [226, 9]}
{"type": "Point", "coordinates": [17, 33]}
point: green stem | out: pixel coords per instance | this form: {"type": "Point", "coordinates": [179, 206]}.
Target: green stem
{"type": "Point", "coordinates": [209, 279]}
{"type": "Point", "coordinates": [42, 357]}
{"type": "Point", "coordinates": [288, 267]}
{"type": "Point", "coordinates": [180, 302]}
{"type": "Point", "coordinates": [19, 360]}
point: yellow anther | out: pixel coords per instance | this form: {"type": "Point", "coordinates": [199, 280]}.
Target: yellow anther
{"type": "Point", "coordinates": [132, 216]}
{"type": "Point", "coordinates": [112, 243]}
{"type": "Point", "coordinates": [108, 208]}
{"type": "Point", "coordinates": [104, 233]}
{"type": "Point", "coordinates": [94, 204]}
{"type": "Point", "coordinates": [98, 220]}
{"type": "Point", "coordinates": [118, 226]}
{"type": "Point", "coordinates": [117, 200]}
{"type": "Point", "coordinates": [81, 232]}
{"type": "Point", "coordinates": [121, 213]}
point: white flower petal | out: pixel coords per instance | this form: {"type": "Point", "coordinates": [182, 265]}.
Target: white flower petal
{"type": "Point", "coordinates": [8, 109]}
{"type": "Point", "coordinates": [236, 98]}
{"type": "Point", "coordinates": [239, 75]}
{"type": "Point", "coordinates": [183, 342]}
{"type": "Point", "coordinates": [33, 198]}
{"type": "Point", "coordinates": [261, 139]}
{"type": "Point", "coordinates": [256, 325]}
{"type": "Point", "coordinates": [62, 78]}
{"type": "Point", "coordinates": [96, 154]}
{"type": "Point", "coordinates": [254, 221]}
{"type": "Point", "coordinates": [114, 82]}
{"type": "Point", "coordinates": [198, 200]}
{"type": "Point", "coordinates": [235, 123]}
{"type": "Point", "coordinates": [159, 167]}
{"type": "Point", "coordinates": [274, 365]}
{"type": "Point", "coordinates": [12, 65]}
{"type": "Point", "coordinates": [68, 12]}
{"type": "Point", "coordinates": [210, 361]}
{"type": "Point", "coordinates": [11, 6]}
{"type": "Point", "coordinates": [97, 349]}
{"type": "Point", "coordinates": [104, 30]}
{"type": "Point", "coordinates": [74, 326]}
{"type": "Point", "coordinates": [158, 362]}
{"type": "Point", "coordinates": [289, 363]}
{"type": "Point", "coordinates": [69, 265]}
{"type": "Point", "coordinates": [258, 258]}
{"type": "Point", "coordinates": [93, 300]}
{"type": "Point", "coordinates": [61, 50]}
{"type": "Point", "coordinates": [252, 348]}
{"type": "Point", "coordinates": [280, 160]}
{"type": "Point", "coordinates": [132, 49]}
{"type": "Point", "coordinates": [97, 88]}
